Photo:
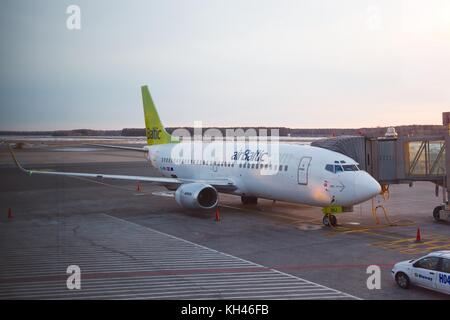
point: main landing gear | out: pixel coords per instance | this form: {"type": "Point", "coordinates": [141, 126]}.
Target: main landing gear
{"type": "Point", "coordinates": [329, 220]}
{"type": "Point", "coordinates": [249, 200]}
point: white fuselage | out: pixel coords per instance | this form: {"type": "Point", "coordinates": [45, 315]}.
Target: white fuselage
{"type": "Point", "coordinates": [308, 175]}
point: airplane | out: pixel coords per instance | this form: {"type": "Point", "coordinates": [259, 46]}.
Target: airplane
{"type": "Point", "coordinates": [277, 171]}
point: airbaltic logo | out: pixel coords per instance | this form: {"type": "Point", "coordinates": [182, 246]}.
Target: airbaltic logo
{"type": "Point", "coordinates": [154, 133]}
{"type": "Point", "coordinates": [249, 155]}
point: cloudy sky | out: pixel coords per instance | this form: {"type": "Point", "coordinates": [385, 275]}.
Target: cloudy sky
{"type": "Point", "coordinates": [301, 63]}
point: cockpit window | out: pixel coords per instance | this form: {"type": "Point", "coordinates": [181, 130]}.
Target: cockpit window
{"type": "Point", "coordinates": [350, 167]}
{"type": "Point", "coordinates": [336, 168]}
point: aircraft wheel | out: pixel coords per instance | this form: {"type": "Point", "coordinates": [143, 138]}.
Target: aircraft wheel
{"type": "Point", "coordinates": [333, 220]}
{"type": "Point", "coordinates": [329, 220]}
{"type": "Point", "coordinates": [249, 200]}
{"type": "Point", "coordinates": [436, 213]}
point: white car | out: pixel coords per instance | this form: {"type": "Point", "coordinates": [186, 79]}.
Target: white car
{"type": "Point", "coordinates": [431, 271]}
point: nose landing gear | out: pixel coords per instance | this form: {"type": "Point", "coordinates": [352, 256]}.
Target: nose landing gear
{"type": "Point", "coordinates": [329, 220]}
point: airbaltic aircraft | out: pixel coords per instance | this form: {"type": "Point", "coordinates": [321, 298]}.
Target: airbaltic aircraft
{"type": "Point", "coordinates": [293, 173]}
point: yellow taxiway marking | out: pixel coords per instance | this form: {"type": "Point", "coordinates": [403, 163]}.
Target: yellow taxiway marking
{"type": "Point", "coordinates": [409, 245]}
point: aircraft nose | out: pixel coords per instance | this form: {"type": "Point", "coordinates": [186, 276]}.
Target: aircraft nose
{"type": "Point", "coordinates": [366, 187]}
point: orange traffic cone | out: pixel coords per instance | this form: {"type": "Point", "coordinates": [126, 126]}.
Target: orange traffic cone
{"type": "Point", "coordinates": [10, 213]}
{"type": "Point", "coordinates": [138, 187]}
{"type": "Point", "coordinates": [217, 214]}
{"type": "Point", "coordinates": [418, 236]}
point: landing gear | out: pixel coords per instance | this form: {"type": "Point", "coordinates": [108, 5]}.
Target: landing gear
{"type": "Point", "coordinates": [249, 200]}
{"type": "Point", "coordinates": [436, 213]}
{"type": "Point", "coordinates": [329, 220]}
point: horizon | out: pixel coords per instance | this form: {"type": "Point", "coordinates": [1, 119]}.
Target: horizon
{"type": "Point", "coordinates": [225, 127]}
{"type": "Point", "coordinates": [296, 64]}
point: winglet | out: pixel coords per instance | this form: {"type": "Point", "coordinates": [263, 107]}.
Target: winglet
{"type": "Point", "coordinates": [16, 161]}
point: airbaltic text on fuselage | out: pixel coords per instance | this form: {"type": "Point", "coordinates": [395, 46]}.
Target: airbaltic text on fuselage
{"type": "Point", "coordinates": [249, 155]}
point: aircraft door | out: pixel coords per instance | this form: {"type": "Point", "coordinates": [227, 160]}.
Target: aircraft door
{"type": "Point", "coordinates": [303, 170]}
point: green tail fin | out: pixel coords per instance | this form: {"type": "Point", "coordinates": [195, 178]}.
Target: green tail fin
{"type": "Point", "coordinates": [154, 130]}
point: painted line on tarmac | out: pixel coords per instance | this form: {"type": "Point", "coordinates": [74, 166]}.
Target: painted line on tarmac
{"type": "Point", "coordinates": [234, 257]}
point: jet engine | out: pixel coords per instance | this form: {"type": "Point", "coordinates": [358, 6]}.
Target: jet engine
{"type": "Point", "coordinates": [197, 196]}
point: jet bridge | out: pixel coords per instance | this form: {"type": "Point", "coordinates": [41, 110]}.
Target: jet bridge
{"type": "Point", "coordinates": [395, 160]}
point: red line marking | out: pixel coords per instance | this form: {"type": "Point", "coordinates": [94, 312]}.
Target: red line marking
{"type": "Point", "coordinates": [130, 274]}
{"type": "Point", "coordinates": [332, 266]}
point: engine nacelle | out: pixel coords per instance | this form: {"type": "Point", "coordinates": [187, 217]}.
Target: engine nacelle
{"type": "Point", "coordinates": [197, 195]}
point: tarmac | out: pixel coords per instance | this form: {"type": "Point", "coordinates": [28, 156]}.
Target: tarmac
{"type": "Point", "coordinates": [132, 244]}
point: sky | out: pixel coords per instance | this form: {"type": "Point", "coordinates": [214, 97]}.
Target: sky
{"type": "Point", "coordinates": [300, 64]}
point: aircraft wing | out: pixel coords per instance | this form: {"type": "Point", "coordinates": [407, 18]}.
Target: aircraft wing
{"type": "Point", "coordinates": [142, 149]}
{"type": "Point", "coordinates": [219, 184]}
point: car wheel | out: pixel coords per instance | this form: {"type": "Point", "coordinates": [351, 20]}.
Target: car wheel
{"type": "Point", "coordinates": [402, 280]}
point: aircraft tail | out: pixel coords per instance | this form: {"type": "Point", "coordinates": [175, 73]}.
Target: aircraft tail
{"type": "Point", "coordinates": [154, 130]}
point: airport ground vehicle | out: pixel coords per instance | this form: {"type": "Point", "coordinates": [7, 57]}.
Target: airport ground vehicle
{"type": "Point", "coordinates": [431, 271]}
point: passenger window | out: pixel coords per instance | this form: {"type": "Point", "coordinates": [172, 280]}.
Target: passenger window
{"type": "Point", "coordinates": [329, 167]}
{"type": "Point", "coordinates": [445, 265]}
{"type": "Point", "coordinates": [429, 263]}
{"type": "Point", "coordinates": [253, 166]}
{"type": "Point", "coordinates": [285, 168]}
{"type": "Point", "coordinates": [338, 169]}
{"type": "Point", "coordinates": [280, 168]}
